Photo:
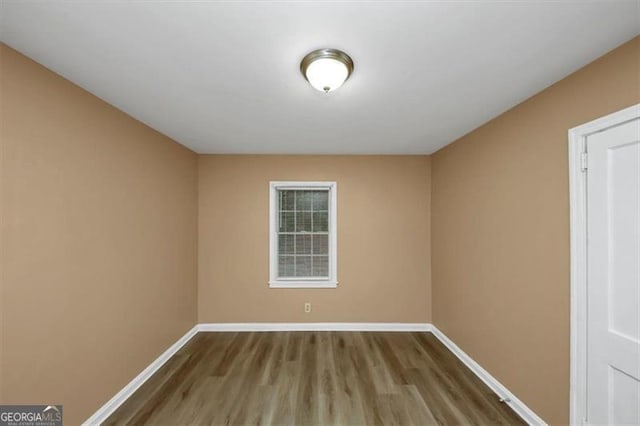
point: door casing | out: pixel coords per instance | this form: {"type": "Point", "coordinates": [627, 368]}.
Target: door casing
{"type": "Point", "coordinates": [578, 228]}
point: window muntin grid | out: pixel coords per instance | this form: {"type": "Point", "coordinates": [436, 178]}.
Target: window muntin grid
{"type": "Point", "coordinates": [302, 231]}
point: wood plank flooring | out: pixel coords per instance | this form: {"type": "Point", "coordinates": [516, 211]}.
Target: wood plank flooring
{"type": "Point", "coordinates": [313, 378]}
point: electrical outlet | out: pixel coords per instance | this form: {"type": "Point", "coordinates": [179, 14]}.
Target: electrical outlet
{"type": "Point", "coordinates": [307, 307]}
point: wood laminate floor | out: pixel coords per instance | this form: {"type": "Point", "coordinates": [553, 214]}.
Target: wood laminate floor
{"type": "Point", "coordinates": [314, 378]}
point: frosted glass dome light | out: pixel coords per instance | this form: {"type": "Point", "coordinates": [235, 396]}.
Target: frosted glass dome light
{"type": "Point", "coordinates": [326, 69]}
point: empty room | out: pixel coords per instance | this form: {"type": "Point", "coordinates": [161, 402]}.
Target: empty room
{"type": "Point", "coordinates": [319, 212]}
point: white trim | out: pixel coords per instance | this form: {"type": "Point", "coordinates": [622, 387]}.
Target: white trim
{"type": "Point", "coordinates": [578, 273]}
{"type": "Point", "coordinates": [606, 122]}
{"type": "Point", "coordinates": [315, 326]}
{"type": "Point", "coordinates": [107, 409]}
{"type": "Point", "coordinates": [332, 280]}
{"type": "Point", "coordinates": [505, 395]}
{"type": "Point", "coordinates": [578, 247]}
{"type": "Point", "coordinates": [518, 406]}
{"type": "Point", "coordinates": [303, 284]}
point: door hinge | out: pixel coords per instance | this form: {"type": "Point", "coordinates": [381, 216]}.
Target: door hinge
{"type": "Point", "coordinates": [584, 162]}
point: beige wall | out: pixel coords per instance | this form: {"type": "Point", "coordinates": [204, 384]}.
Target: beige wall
{"type": "Point", "coordinates": [99, 244]}
{"type": "Point", "coordinates": [99, 228]}
{"type": "Point", "coordinates": [500, 220]}
{"type": "Point", "coordinates": [383, 239]}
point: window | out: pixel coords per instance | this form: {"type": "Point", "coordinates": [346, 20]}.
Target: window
{"type": "Point", "coordinates": [303, 235]}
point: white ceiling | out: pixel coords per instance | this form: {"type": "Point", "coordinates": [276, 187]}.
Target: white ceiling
{"type": "Point", "coordinates": [223, 77]}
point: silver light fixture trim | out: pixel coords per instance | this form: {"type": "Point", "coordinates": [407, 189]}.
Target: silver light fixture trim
{"type": "Point", "coordinates": [326, 69]}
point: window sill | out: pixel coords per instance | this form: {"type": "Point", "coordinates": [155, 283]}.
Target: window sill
{"type": "Point", "coordinates": [303, 284]}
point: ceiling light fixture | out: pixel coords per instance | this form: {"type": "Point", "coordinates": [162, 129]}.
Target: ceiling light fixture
{"type": "Point", "coordinates": [326, 69]}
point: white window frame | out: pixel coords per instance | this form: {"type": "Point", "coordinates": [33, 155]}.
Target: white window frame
{"type": "Point", "coordinates": [301, 282]}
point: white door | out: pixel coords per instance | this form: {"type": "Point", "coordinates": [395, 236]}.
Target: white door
{"type": "Point", "coordinates": [613, 275]}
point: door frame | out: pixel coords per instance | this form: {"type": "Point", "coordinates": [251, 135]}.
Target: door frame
{"type": "Point", "coordinates": [578, 229]}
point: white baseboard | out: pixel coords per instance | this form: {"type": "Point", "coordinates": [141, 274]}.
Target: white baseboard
{"type": "Point", "coordinates": [107, 409]}
{"type": "Point", "coordinates": [509, 398]}
{"type": "Point", "coordinates": [315, 326]}
{"type": "Point", "coordinates": [518, 406]}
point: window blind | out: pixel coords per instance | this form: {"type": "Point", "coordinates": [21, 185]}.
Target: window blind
{"type": "Point", "coordinates": [303, 233]}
